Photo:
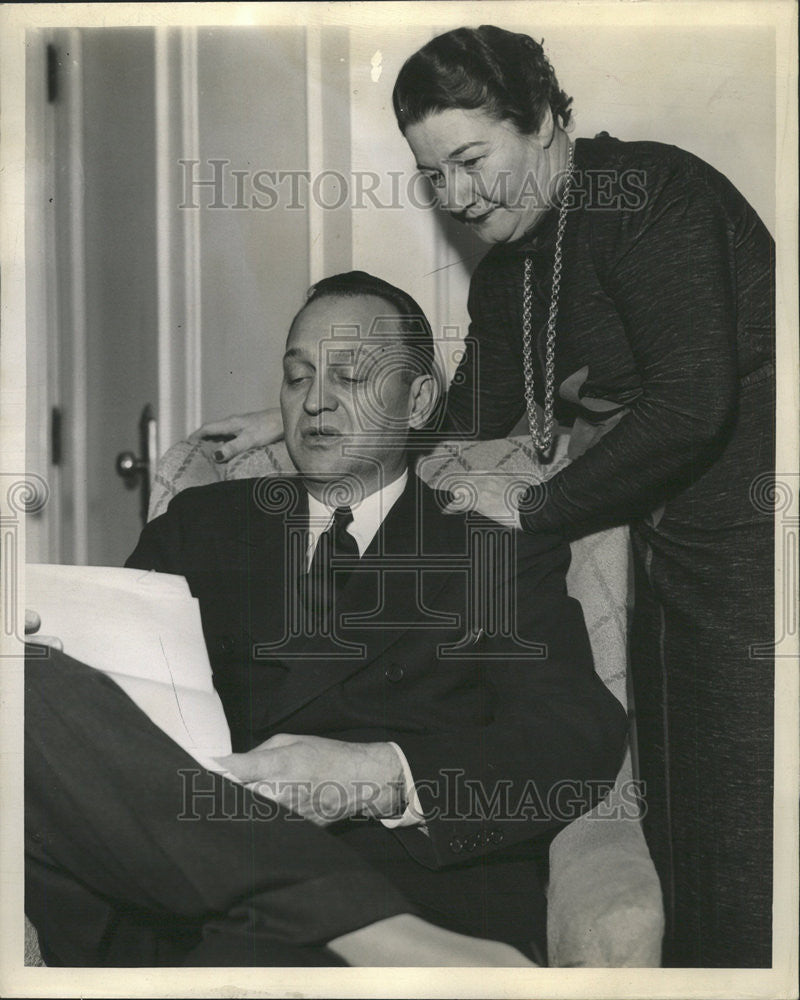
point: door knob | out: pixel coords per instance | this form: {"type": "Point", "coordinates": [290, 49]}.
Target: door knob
{"type": "Point", "coordinates": [129, 467]}
{"type": "Point", "coordinates": [139, 471]}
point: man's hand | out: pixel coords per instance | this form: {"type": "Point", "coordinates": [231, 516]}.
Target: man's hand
{"type": "Point", "coordinates": [247, 430]}
{"type": "Point", "coordinates": [32, 625]}
{"type": "Point", "coordinates": [323, 780]}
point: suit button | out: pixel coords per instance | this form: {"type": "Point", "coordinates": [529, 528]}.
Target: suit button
{"type": "Point", "coordinates": [227, 643]}
{"type": "Point", "coordinates": [394, 673]}
{"type": "Point", "coordinates": [470, 843]}
{"type": "Point", "coordinates": [496, 836]}
{"type": "Point", "coordinates": [456, 845]}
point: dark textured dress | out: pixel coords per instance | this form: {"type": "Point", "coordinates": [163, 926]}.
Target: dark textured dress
{"type": "Point", "coordinates": [666, 339]}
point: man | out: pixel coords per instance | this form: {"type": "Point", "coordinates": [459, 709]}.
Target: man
{"type": "Point", "coordinates": [417, 684]}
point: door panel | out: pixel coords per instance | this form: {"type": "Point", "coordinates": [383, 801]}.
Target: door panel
{"type": "Point", "coordinates": [183, 308]}
{"type": "Point", "coordinates": [121, 292]}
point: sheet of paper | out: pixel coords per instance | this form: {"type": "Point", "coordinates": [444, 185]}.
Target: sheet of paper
{"type": "Point", "coordinates": [143, 629]}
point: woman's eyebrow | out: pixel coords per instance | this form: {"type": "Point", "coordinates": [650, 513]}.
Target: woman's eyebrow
{"type": "Point", "coordinates": [465, 147]}
{"type": "Point", "coordinates": [455, 152]}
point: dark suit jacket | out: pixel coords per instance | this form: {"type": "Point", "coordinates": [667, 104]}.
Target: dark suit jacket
{"type": "Point", "coordinates": [452, 636]}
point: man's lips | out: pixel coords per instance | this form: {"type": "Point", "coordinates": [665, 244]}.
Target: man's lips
{"type": "Point", "coordinates": [315, 433]}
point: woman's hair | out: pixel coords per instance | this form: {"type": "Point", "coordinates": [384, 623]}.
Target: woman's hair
{"type": "Point", "coordinates": [505, 74]}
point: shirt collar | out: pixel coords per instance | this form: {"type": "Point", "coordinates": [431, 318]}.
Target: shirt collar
{"type": "Point", "coordinates": [368, 515]}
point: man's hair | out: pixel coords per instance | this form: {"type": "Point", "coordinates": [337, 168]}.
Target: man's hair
{"type": "Point", "coordinates": [501, 72]}
{"type": "Point", "coordinates": [406, 320]}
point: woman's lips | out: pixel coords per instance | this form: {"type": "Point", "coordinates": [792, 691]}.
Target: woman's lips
{"type": "Point", "coordinates": [476, 220]}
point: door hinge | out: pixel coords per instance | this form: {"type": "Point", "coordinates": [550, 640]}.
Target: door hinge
{"type": "Point", "coordinates": [55, 436]}
{"type": "Point", "coordinates": [52, 73]}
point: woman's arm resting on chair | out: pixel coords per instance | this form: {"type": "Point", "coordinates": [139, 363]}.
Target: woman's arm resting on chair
{"type": "Point", "coordinates": [246, 430]}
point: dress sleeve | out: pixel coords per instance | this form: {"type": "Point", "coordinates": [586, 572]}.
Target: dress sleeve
{"type": "Point", "coordinates": [486, 397]}
{"type": "Point", "coordinates": [669, 270]}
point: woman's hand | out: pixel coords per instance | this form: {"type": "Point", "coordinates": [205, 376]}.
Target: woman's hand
{"type": "Point", "coordinates": [246, 430]}
{"type": "Point", "coordinates": [495, 495]}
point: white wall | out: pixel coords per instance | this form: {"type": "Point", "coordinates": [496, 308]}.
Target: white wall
{"type": "Point", "coordinates": [711, 92]}
{"type": "Point", "coordinates": [254, 262]}
{"type": "Point", "coordinates": [256, 90]}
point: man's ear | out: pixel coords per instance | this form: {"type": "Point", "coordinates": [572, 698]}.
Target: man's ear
{"type": "Point", "coordinates": [423, 395]}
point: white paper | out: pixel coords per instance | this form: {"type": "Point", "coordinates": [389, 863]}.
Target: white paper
{"type": "Point", "coordinates": [143, 629]}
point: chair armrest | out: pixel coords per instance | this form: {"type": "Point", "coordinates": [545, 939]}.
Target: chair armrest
{"type": "Point", "coordinates": [604, 907]}
{"type": "Point", "coordinates": [33, 955]}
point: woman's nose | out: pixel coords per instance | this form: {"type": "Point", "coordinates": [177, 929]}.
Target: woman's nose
{"type": "Point", "coordinates": [458, 192]}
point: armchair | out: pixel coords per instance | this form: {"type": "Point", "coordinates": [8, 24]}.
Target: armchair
{"type": "Point", "coordinates": [604, 897]}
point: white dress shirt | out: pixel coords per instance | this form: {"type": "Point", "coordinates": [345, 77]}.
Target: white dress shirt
{"type": "Point", "coordinates": [368, 516]}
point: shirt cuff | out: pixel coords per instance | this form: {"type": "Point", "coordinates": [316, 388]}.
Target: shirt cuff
{"type": "Point", "coordinates": [413, 815]}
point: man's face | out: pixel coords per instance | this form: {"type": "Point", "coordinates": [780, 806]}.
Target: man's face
{"type": "Point", "coordinates": [347, 400]}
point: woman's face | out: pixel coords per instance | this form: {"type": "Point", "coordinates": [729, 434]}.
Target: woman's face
{"type": "Point", "coordinates": [485, 173]}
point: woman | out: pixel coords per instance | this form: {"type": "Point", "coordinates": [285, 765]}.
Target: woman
{"type": "Point", "coordinates": [629, 290]}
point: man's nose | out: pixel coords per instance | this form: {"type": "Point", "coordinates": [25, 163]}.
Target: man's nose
{"type": "Point", "coordinates": [319, 396]}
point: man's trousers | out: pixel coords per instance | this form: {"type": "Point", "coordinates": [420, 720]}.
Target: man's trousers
{"type": "Point", "coordinates": [137, 856]}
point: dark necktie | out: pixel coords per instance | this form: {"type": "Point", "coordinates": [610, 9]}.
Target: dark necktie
{"type": "Point", "coordinates": [333, 543]}
{"type": "Point", "coordinates": [335, 540]}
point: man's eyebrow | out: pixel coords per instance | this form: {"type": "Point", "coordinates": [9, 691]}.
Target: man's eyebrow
{"type": "Point", "coordinates": [456, 152]}
{"type": "Point", "coordinates": [294, 352]}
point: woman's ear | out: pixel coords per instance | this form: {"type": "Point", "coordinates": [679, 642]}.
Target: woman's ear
{"type": "Point", "coordinates": [547, 130]}
{"type": "Point", "coordinates": [423, 395]}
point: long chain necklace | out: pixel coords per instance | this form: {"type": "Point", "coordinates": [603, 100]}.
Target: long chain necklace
{"type": "Point", "coordinates": [543, 437]}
